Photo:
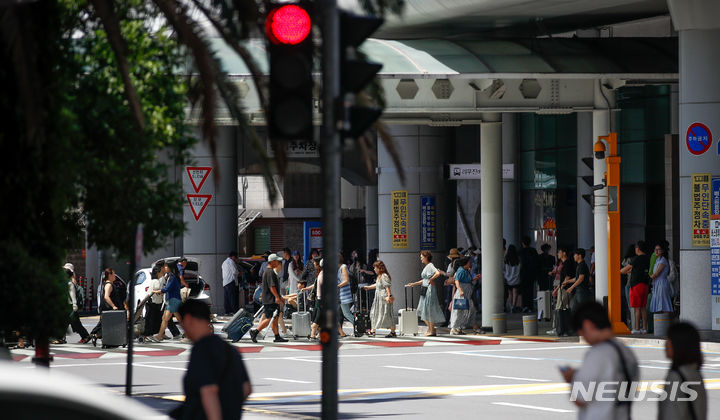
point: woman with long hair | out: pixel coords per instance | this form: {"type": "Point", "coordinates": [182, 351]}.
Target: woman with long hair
{"type": "Point", "coordinates": [661, 300]}
{"type": "Point", "coordinates": [295, 272]}
{"type": "Point", "coordinates": [682, 347]}
{"type": "Point", "coordinates": [381, 314]}
{"type": "Point", "coordinates": [344, 294]}
{"type": "Point", "coordinates": [512, 278]}
{"type": "Point", "coordinates": [318, 263]}
{"type": "Point", "coordinates": [429, 306]}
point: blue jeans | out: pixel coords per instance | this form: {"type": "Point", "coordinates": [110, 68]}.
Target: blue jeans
{"type": "Point", "coordinates": [347, 314]}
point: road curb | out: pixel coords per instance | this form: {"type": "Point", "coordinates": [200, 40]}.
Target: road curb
{"type": "Point", "coordinates": [709, 346]}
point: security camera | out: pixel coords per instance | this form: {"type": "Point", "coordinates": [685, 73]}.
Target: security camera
{"type": "Point", "coordinates": [599, 150]}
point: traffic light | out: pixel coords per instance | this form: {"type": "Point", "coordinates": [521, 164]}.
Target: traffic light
{"type": "Point", "coordinates": [356, 72]}
{"type": "Point", "coordinates": [290, 49]}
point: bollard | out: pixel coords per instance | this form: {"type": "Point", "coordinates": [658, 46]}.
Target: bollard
{"type": "Point", "coordinates": [499, 323]}
{"type": "Point", "coordinates": [661, 322]}
{"type": "Point", "coordinates": [530, 325]}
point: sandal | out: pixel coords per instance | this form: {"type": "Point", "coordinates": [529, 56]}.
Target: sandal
{"type": "Point", "coordinates": [58, 342]}
{"type": "Point", "coordinates": [371, 334]}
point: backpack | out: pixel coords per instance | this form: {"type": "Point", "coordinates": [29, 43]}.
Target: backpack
{"type": "Point", "coordinates": [80, 296]}
{"type": "Point", "coordinates": [119, 292]}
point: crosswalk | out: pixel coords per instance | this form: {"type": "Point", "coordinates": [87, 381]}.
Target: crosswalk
{"type": "Point", "coordinates": [170, 348]}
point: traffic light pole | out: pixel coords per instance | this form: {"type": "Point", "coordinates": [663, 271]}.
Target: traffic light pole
{"type": "Point", "coordinates": [330, 148]}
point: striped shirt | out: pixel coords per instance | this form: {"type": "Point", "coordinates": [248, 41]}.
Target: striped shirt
{"type": "Point", "coordinates": [345, 294]}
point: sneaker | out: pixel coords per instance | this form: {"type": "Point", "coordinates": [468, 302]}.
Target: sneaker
{"type": "Point", "coordinates": [185, 340]}
{"type": "Point", "coordinates": [253, 335]}
{"type": "Point", "coordinates": [643, 331]}
{"type": "Point", "coordinates": [279, 339]}
{"type": "Point", "coordinates": [551, 332]}
{"type": "Point", "coordinates": [454, 332]}
{"type": "Point", "coordinates": [635, 332]}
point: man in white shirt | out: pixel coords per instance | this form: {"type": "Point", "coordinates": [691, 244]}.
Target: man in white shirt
{"type": "Point", "coordinates": [603, 385]}
{"type": "Point", "coordinates": [230, 274]}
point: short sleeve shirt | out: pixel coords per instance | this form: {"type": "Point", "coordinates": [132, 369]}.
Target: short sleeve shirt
{"type": "Point", "coordinates": [214, 362]}
{"type": "Point", "coordinates": [462, 275]}
{"type": "Point", "coordinates": [582, 269]}
{"type": "Point", "coordinates": [269, 280]}
{"type": "Point", "coordinates": [602, 364]}
{"type": "Point", "coordinates": [640, 267]}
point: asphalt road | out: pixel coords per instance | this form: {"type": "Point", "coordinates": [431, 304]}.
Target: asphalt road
{"type": "Point", "coordinates": [407, 377]}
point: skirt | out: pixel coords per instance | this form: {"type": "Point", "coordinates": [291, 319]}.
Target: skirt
{"type": "Point", "coordinates": [429, 308]}
{"type": "Point", "coordinates": [661, 301]}
{"type": "Point", "coordinates": [460, 319]}
{"type": "Point", "coordinates": [381, 314]}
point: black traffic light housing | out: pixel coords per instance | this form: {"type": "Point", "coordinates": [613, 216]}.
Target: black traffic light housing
{"type": "Point", "coordinates": [356, 72]}
{"type": "Point", "coordinates": [290, 113]}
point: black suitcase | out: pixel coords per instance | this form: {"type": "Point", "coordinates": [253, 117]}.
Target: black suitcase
{"type": "Point", "coordinates": [361, 317]}
{"type": "Point", "coordinates": [114, 328]}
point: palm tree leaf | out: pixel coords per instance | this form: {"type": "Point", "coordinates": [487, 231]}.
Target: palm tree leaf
{"type": "Point", "coordinates": [390, 146]}
{"type": "Point", "coordinates": [111, 23]}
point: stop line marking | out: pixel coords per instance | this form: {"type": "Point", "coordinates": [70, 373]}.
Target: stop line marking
{"type": "Point", "coordinates": [408, 368]}
{"type": "Point", "coordinates": [533, 407]}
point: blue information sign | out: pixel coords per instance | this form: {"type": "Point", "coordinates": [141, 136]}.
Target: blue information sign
{"type": "Point", "coordinates": [715, 198]}
{"type": "Point", "coordinates": [428, 220]}
{"type": "Point", "coordinates": [715, 256]}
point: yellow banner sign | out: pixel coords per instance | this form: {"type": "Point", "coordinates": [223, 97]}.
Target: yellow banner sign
{"type": "Point", "coordinates": [399, 219]}
{"type": "Point", "coordinates": [700, 210]}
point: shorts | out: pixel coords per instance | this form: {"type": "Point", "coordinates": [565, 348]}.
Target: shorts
{"type": "Point", "coordinates": [639, 295]}
{"type": "Point", "coordinates": [173, 305]}
{"type": "Point", "coordinates": [270, 309]}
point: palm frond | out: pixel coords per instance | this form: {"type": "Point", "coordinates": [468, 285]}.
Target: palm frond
{"type": "Point", "coordinates": [390, 146]}
{"type": "Point", "coordinates": [106, 12]}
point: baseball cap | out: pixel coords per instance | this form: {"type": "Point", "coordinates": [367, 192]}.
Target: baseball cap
{"type": "Point", "coordinates": [274, 257]}
{"type": "Point", "coordinates": [70, 267]}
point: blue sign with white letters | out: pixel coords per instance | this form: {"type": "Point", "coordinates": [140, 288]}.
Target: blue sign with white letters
{"type": "Point", "coordinates": [428, 220]}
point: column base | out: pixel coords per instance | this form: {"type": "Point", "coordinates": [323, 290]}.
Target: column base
{"type": "Point", "coordinates": [620, 328]}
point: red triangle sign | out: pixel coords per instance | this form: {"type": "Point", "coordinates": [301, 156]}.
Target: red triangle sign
{"type": "Point", "coordinates": [198, 175]}
{"type": "Point", "coordinates": [198, 203]}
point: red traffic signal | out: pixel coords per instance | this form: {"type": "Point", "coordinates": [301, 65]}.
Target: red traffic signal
{"type": "Point", "coordinates": [289, 24]}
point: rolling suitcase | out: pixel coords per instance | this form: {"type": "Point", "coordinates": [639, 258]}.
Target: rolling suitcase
{"type": "Point", "coordinates": [361, 317]}
{"type": "Point", "coordinates": [242, 313]}
{"type": "Point", "coordinates": [114, 328]}
{"type": "Point", "coordinates": [301, 320]}
{"type": "Point", "coordinates": [408, 317]}
{"type": "Point", "coordinates": [240, 327]}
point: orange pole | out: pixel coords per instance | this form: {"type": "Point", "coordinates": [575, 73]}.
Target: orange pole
{"type": "Point", "coordinates": [612, 179]}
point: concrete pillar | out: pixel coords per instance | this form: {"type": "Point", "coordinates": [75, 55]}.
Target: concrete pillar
{"type": "Point", "coordinates": [698, 24]}
{"type": "Point", "coordinates": [585, 224]}
{"type": "Point", "coordinates": [604, 99]}
{"type": "Point", "coordinates": [214, 234]}
{"type": "Point", "coordinates": [491, 217]}
{"type": "Point", "coordinates": [509, 186]}
{"type": "Point", "coordinates": [371, 217]}
{"type": "Point", "coordinates": [422, 152]}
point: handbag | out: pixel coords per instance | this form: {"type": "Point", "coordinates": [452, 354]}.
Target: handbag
{"type": "Point", "coordinates": [423, 290]}
{"type": "Point", "coordinates": [184, 293]}
{"type": "Point", "coordinates": [461, 304]}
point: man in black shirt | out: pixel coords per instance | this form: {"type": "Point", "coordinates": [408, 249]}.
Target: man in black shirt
{"type": "Point", "coordinates": [580, 284]}
{"type": "Point", "coordinates": [639, 282]}
{"type": "Point", "coordinates": [216, 383]}
{"type": "Point", "coordinates": [270, 299]}
{"type": "Point", "coordinates": [529, 270]}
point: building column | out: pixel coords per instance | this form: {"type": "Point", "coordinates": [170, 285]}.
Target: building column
{"type": "Point", "coordinates": [491, 217]}
{"type": "Point", "coordinates": [509, 186]}
{"type": "Point", "coordinates": [371, 218]}
{"type": "Point", "coordinates": [585, 224]}
{"type": "Point", "coordinates": [601, 127]}
{"type": "Point", "coordinates": [422, 153]}
{"type": "Point", "coordinates": [698, 24]}
{"type": "Point", "coordinates": [210, 238]}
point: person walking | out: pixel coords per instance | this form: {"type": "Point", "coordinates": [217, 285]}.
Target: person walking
{"type": "Point", "coordinates": [661, 297]}
{"type": "Point", "coordinates": [529, 271]}
{"type": "Point", "coordinates": [106, 304]}
{"type": "Point", "coordinates": [607, 361]}
{"type": "Point", "coordinates": [271, 300]}
{"type": "Point", "coordinates": [216, 383]}
{"type": "Point", "coordinates": [172, 303]}
{"type": "Point", "coordinates": [153, 307]}
{"type": "Point", "coordinates": [317, 291]}
{"type": "Point", "coordinates": [682, 347]}
{"type": "Point", "coordinates": [295, 272]}
{"type": "Point", "coordinates": [345, 296]}
{"type": "Point", "coordinates": [230, 282]}
{"type": "Point", "coordinates": [462, 315]}
{"type": "Point", "coordinates": [512, 278]}
{"type": "Point", "coordinates": [75, 322]}
{"type": "Point", "coordinates": [446, 290]}
{"type": "Point", "coordinates": [639, 286]}
{"type": "Point", "coordinates": [381, 314]}
{"type": "Point", "coordinates": [429, 306]}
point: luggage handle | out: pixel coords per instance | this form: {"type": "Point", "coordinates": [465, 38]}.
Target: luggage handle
{"type": "Point", "coordinates": [412, 299]}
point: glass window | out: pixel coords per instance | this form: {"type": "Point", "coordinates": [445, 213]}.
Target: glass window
{"type": "Point", "coordinates": [140, 278]}
{"type": "Point", "coordinates": [632, 166]}
{"type": "Point", "coordinates": [545, 170]}
{"type": "Point", "coordinates": [527, 131]}
{"type": "Point", "coordinates": [546, 132]}
{"type": "Point", "coordinates": [527, 170]}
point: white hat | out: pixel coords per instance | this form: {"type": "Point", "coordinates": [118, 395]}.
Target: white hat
{"type": "Point", "coordinates": [70, 267]}
{"type": "Point", "coordinates": [274, 257]}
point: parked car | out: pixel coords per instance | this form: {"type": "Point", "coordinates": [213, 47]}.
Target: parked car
{"type": "Point", "coordinates": [199, 289]}
{"type": "Point", "coordinates": [51, 394]}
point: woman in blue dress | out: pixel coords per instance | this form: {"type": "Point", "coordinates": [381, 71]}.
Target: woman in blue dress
{"type": "Point", "coordinates": [429, 307]}
{"type": "Point", "coordinates": [661, 301]}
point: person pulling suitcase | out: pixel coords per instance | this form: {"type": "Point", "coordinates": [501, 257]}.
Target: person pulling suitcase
{"type": "Point", "coordinates": [271, 300]}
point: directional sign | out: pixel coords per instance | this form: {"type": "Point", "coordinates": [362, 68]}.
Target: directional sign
{"type": "Point", "coordinates": [198, 203]}
{"type": "Point", "coordinates": [698, 138]}
{"type": "Point", "coordinates": [198, 175]}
